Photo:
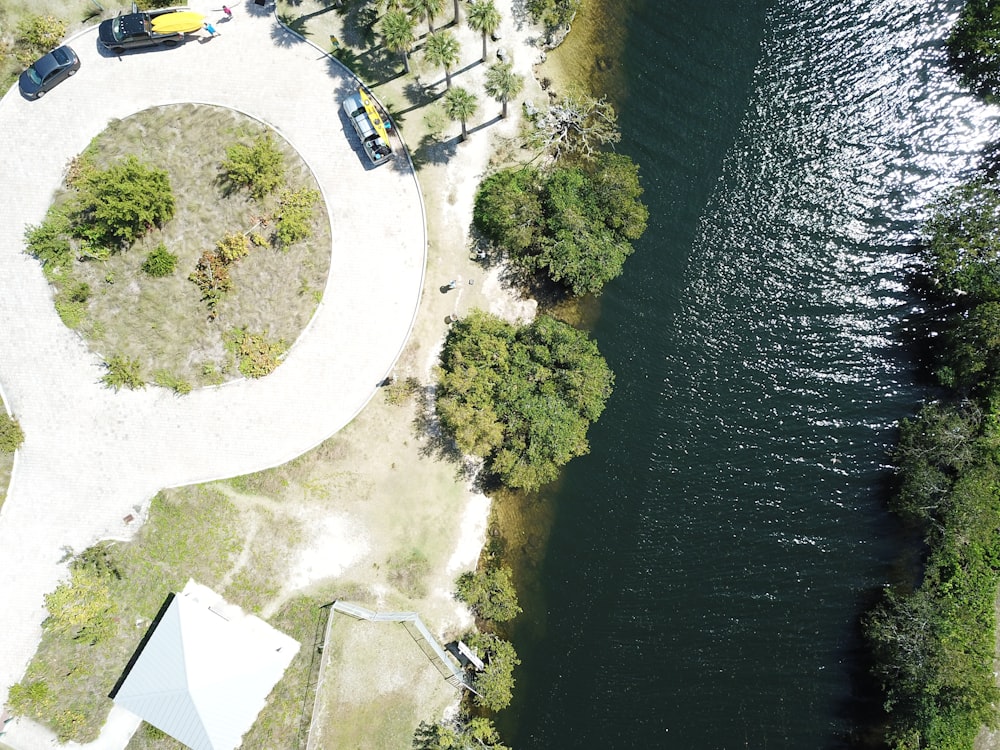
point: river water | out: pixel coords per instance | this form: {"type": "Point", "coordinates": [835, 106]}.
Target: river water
{"type": "Point", "coordinates": [709, 559]}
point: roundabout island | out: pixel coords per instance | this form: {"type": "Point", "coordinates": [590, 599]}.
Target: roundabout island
{"type": "Point", "coordinates": [93, 457]}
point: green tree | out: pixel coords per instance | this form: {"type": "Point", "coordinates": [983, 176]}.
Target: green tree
{"type": "Point", "coordinates": [119, 204]}
{"type": "Point", "coordinates": [426, 8]}
{"type": "Point", "coordinates": [460, 104]}
{"type": "Point", "coordinates": [397, 33]}
{"type": "Point", "coordinates": [508, 209]}
{"type": "Point", "coordinates": [963, 252]}
{"type": "Point", "coordinates": [495, 684]}
{"type": "Point", "coordinates": [442, 50]}
{"type": "Point", "coordinates": [575, 223]}
{"type": "Point", "coordinates": [522, 397]}
{"type": "Point", "coordinates": [503, 84]}
{"type": "Point", "coordinates": [974, 47]}
{"type": "Point", "coordinates": [258, 166]}
{"type": "Point", "coordinates": [483, 17]}
{"type": "Point", "coordinates": [490, 594]}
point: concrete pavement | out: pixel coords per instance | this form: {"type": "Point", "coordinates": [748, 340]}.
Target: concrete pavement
{"type": "Point", "coordinates": [92, 456]}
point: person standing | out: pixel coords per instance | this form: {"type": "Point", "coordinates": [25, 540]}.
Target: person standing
{"type": "Point", "coordinates": [211, 29]}
{"type": "Point", "coordinates": [227, 11]}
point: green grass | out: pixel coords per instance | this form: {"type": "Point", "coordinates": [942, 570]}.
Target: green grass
{"type": "Point", "coordinates": [6, 466]}
{"type": "Point", "coordinates": [163, 322]}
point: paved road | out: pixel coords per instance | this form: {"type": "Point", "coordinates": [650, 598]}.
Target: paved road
{"type": "Point", "coordinates": [91, 455]}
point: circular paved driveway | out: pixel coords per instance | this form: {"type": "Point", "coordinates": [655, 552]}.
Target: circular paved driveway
{"type": "Point", "coordinates": [91, 455]}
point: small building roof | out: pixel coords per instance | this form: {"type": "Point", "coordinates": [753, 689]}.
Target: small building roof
{"type": "Point", "coordinates": [204, 670]}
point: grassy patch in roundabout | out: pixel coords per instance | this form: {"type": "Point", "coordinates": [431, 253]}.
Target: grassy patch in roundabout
{"type": "Point", "coordinates": [210, 284]}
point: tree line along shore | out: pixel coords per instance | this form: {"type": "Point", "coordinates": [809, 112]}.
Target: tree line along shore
{"type": "Point", "coordinates": [933, 639]}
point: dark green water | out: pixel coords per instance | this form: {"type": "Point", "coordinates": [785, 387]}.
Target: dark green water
{"type": "Point", "coordinates": [710, 558]}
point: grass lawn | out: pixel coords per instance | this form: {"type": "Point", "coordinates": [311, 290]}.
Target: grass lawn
{"type": "Point", "coordinates": [346, 520]}
{"type": "Point", "coordinates": [163, 322]}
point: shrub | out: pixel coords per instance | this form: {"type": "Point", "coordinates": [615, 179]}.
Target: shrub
{"type": "Point", "coordinates": [49, 241]}
{"type": "Point", "coordinates": [36, 35]}
{"type": "Point", "coordinates": [71, 303]}
{"type": "Point", "coordinates": [32, 699]}
{"type": "Point", "coordinates": [233, 246]}
{"type": "Point", "coordinates": [553, 13]}
{"type": "Point", "coordinates": [119, 204]}
{"type": "Point", "coordinates": [123, 373]}
{"type": "Point", "coordinates": [11, 434]}
{"type": "Point", "coordinates": [166, 379]}
{"type": "Point", "coordinates": [259, 167]}
{"type": "Point", "coordinates": [160, 262]}
{"type": "Point", "coordinates": [256, 355]}
{"type": "Point", "coordinates": [295, 214]}
{"type": "Point", "coordinates": [211, 275]}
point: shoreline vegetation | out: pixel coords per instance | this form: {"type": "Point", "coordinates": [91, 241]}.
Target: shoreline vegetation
{"type": "Point", "coordinates": [512, 406]}
{"type": "Point", "coordinates": [933, 640]}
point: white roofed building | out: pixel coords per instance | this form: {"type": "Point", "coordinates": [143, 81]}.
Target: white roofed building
{"type": "Point", "coordinates": [204, 670]}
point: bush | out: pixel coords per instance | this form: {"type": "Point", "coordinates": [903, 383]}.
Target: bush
{"type": "Point", "coordinates": [259, 167]}
{"type": "Point", "coordinates": [123, 373]}
{"type": "Point", "coordinates": [32, 699]}
{"type": "Point", "coordinates": [553, 13]}
{"type": "Point", "coordinates": [119, 204]}
{"type": "Point", "coordinates": [211, 276]}
{"type": "Point", "coordinates": [233, 246]}
{"type": "Point", "coordinates": [36, 35]}
{"type": "Point", "coordinates": [49, 241]}
{"type": "Point", "coordinates": [11, 434]}
{"type": "Point", "coordinates": [295, 215]}
{"type": "Point", "coordinates": [166, 379]}
{"type": "Point", "coordinates": [160, 262]}
{"type": "Point", "coordinates": [256, 355]}
{"type": "Point", "coordinates": [71, 303]}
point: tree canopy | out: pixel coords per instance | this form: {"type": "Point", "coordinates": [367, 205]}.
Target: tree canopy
{"type": "Point", "coordinates": [494, 685]}
{"type": "Point", "coordinates": [489, 593]}
{"type": "Point", "coordinates": [974, 46]}
{"type": "Point", "coordinates": [521, 397]}
{"type": "Point", "coordinates": [575, 223]}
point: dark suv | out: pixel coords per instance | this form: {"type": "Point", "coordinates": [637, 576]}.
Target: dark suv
{"type": "Point", "coordinates": [134, 30]}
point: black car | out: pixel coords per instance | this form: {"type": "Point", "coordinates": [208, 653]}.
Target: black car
{"type": "Point", "coordinates": [48, 71]}
{"type": "Point", "coordinates": [134, 30]}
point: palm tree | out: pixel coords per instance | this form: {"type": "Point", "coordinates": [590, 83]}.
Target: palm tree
{"type": "Point", "coordinates": [483, 17]}
{"type": "Point", "coordinates": [460, 104]}
{"type": "Point", "coordinates": [397, 33]}
{"type": "Point", "coordinates": [441, 51]}
{"type": "Point", "coordinates": [426, 8]}
{"type": "Point", "coordinates": [503, 84]}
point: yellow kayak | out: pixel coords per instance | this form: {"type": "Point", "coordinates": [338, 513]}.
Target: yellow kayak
{"type": "Point", "coordinates": [178, 23]}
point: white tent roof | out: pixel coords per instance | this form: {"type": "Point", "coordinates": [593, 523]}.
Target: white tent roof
{"type": "Point", "coordinates": [204, 671]}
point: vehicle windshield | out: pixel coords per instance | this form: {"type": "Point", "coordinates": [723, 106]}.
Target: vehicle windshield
{"type": "Point", "coordinates": [33, 75]}
{"type": "Point", "coordinates": [118, 28]}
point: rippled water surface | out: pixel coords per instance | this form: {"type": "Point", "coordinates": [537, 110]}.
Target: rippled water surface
{"type": "Point", "coordinates": [710, 558]}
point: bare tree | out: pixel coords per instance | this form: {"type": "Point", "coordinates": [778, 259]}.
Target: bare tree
{"type": "Point", "coordinates": [576, 125]}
